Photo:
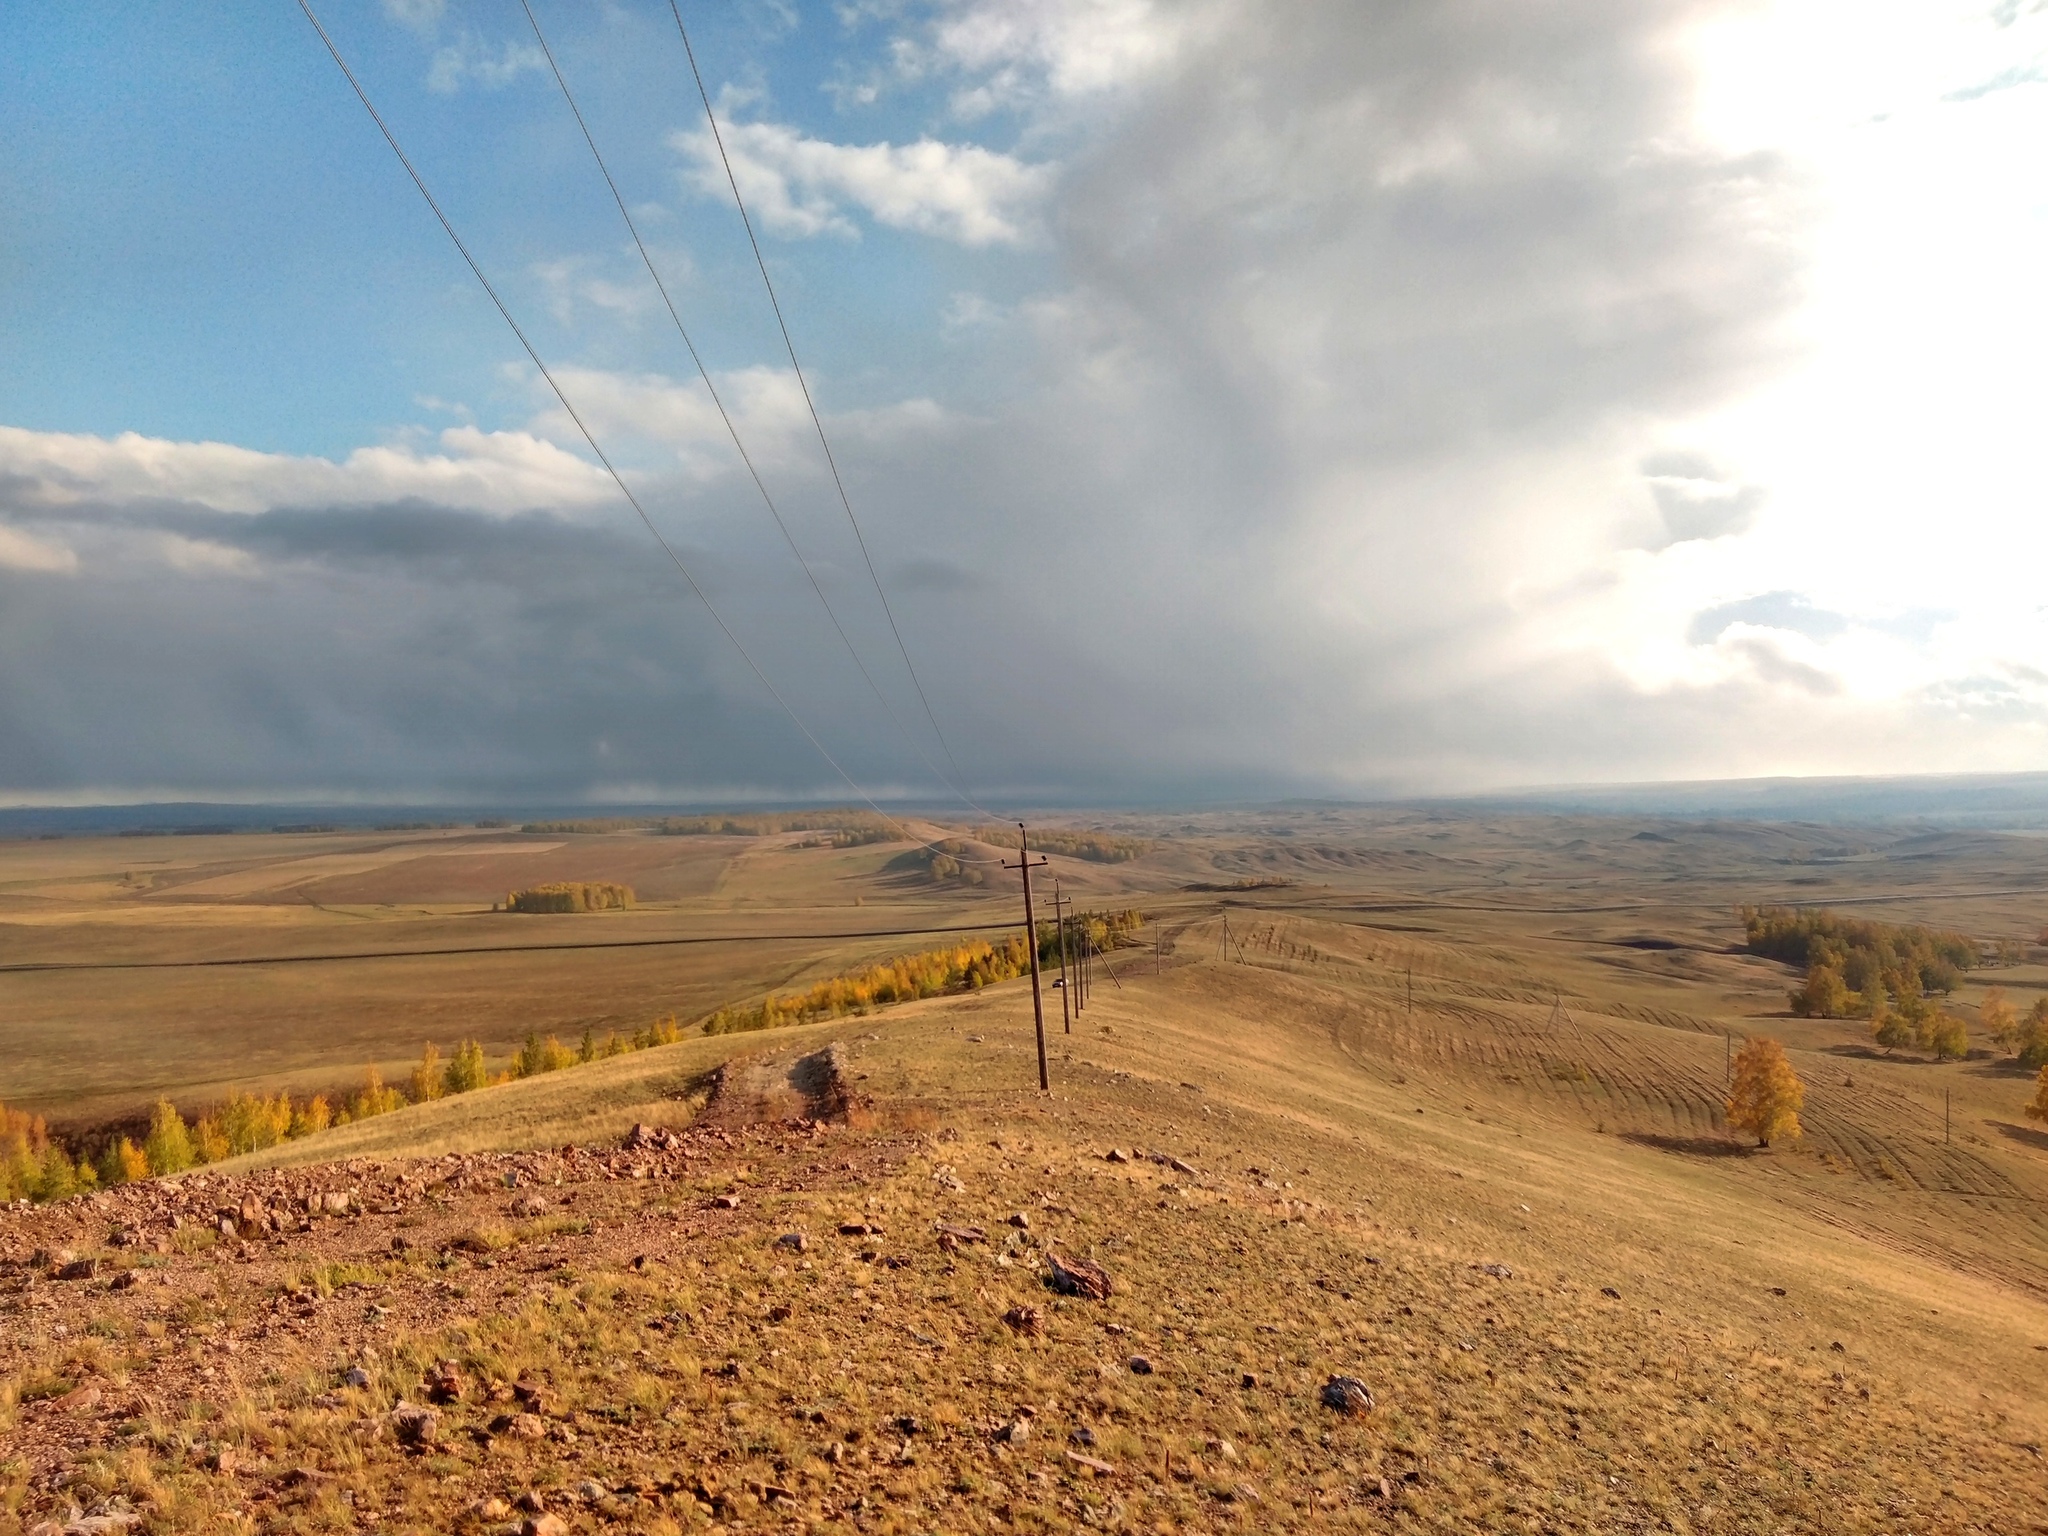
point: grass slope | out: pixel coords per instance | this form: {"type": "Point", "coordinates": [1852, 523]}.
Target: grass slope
{"type": "Point", "coordinates": [1566, 1329]}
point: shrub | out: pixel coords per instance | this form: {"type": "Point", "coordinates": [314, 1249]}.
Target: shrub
{"type": "Point", "coordinates": [2038, 1109]}
{"type": "Point", "coordinates": [168, 1145]}
{"type": "Point", "coordinates": [1767, 1095]}
{"type": "Point", "coordinates": [465, 1070]}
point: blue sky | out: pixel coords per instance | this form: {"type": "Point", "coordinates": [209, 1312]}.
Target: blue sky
{"type": "Point", "coordinates": [1336, 398]}
{"type": "Point", "coordinates": [203, 213]}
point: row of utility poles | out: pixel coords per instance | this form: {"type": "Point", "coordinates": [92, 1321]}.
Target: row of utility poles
{"type": "Point", "coordinates": [1075, 981]}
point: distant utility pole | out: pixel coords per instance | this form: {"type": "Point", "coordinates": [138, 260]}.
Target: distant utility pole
{"type": "Point", "coordinates": [1059, 905]}
{"type": "Point", "coordinates": [1031, 945]}
{"type": "Point", "coordinates": [1107, 966]}
{"type": "Point", "coordinates": [1944, 1117]}
{"type": "Point", "coordinates": [1158, 954]}
{"type": "Point", "coordinates": [1727, 1056]}
{"type": "Point", "coordinates": [1411, 991]}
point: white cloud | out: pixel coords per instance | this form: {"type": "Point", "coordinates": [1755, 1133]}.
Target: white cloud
{"type": "Point", "coordinates": [473, 61]}
{"type": "Point", "coordinates": [800, 187]}
{"type": "Point", "coordinates": [1022, 53]}
{"type": "Point", "coordinates": [493, 472]}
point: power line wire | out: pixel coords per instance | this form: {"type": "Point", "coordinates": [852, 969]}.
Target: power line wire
{"type": "Point", "coordinates": [588, 437]}
{"type": "Point", "coordinates": [731, 430]}
{"type": "Point", "coordinates": [817, 421]}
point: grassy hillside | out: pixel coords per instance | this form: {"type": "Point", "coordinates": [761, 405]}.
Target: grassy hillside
{"type": "Point", "coordinates": [1576, 1306]}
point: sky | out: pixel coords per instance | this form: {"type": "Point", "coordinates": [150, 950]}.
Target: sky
{"type": "Point", "coordinates": [1236, 398]}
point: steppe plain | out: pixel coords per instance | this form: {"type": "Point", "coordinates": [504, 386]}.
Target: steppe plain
{"type": "Point", "coordinates": [1679, 1332]}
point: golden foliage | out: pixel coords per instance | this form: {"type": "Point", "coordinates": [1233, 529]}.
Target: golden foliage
{"type": "Point", "coordinates": [429, 1079]}
{"type": "Point", "coordinates": [2038, 1108]}
{"type": "Point", "coordinates": [1767, 1095]}
{"type": "Point", "coordinates": [169, 1145]}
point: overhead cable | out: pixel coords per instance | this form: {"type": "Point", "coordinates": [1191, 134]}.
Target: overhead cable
{"type": "Point", "coordinates": [817, 421]}
{"type": "Point", "coordinates": [718, 402]}
{"type": "Point", "coordinates": [588, 437]}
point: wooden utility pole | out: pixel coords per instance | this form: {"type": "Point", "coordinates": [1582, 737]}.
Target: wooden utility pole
{"type": "Point", "coordinates": [1059, 905]}
{"type": "Point", "coordinates": [1411, 991]}
{"type": "Point", "coordinates": [1944, 1117]}
{"type": "Point", "coordinates": [1031, 946]}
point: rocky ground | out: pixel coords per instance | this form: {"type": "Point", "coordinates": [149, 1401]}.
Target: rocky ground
{"type": "Point", "coordinates": [1020, 1315]}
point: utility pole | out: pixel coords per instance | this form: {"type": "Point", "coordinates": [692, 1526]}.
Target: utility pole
{"type": "Point", "coordinates": [1411, 991]}
{"type": "Point", "coordinates": [1031, 945]}
{"type": "Point", "coordinates": [1158, 954]}
{"type": "Point", "coordinates": [1944, 1117]}
{"type": "Point", "coordinates": [1727, 1056]}
{"type": "Point", "coordinates": [1059, 905]}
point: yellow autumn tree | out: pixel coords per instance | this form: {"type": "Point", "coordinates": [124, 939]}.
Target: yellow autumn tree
{"type": "Point", "coordinates": [2000, 1019]}
{"type": "Point", "coordinates": [1767, 1095]}
{"type": "Point", "coordinates": [2038, 1110]}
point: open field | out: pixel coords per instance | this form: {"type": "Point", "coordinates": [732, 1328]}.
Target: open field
{"type": "Point", "coordinates": [1447, 1043]}
{"type": "Point", "coordinates": [1677, 1339]}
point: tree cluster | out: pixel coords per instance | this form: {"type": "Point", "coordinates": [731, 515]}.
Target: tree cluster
{"type": "Point", "coordinates": [571, 896]}
{"type": "Point", "coordinates": [1073, 843]}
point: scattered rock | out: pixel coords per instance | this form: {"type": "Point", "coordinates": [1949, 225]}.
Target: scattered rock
{"type": "Point", "coordinates": [1777, 1290]}
{"type": "Point", "coordinates": [1092, 1464]}
{"type": "Point", "coordinates": [444, 1384]}
{"type": "Point", "coordinates": [1498, 1271]}
{"type": "Point", "coordinates": [127, 1280]}
{"type": "Point", "coordinates": [1140, 1366]}
{"type": "Point", "coordinates": [355, 1376]}
{"type": "Point", "coordinates": [1078, 1277]}
{"type": "Point", "coordinates": [1347, 1395]}
{"type": "Point", "coordinates": [1838, 1348]}
{"type": "Point", "coordinates": [1016, 1432]}
{"type": "Point", "coordinates": [79, 1399]}
{"type": "Point", "coordinates": [1249, 1381]}
{"type": "Point", "coordinates": [224, 1461]}
{"type": "Point", "coordinates": [1180, 1167]}
{"type": "Point", "coordinates": [532, 1502]}
{"type": "Point", "coordinates": [1116, 1155]}
{"type": "Point", "coordinates": [528, 1426]}
{"type": "Point", "coordinates": [794, 1241]}
{"type": "Point", "coordinates": [726, 1203]}
{"type": "Point", "coordinates": [79, 1269]}
{"type": "Point", "coordinates": [1028, 1320]}
{"type": "Point", "coordinates": [1610, 1293]}
{"type": "Point", "coordinates": [543, 1525]}
{"type": "Point", "coordinates": [526, 1207]}
{"type": "Point", "coordinates": [1020, 1221]}
{"type": "Point", "coordinates": [493, 1508]}
{"type": "Point", "coordinates": [414, 1425]}
{"type": "Point", "coordinates": [859, 1229]}
{"type": "Point", "coordinates": [960, 1234]}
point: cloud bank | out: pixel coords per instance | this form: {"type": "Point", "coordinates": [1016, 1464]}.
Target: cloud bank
{"type": "Point", "coordinates": [1406, 406]}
